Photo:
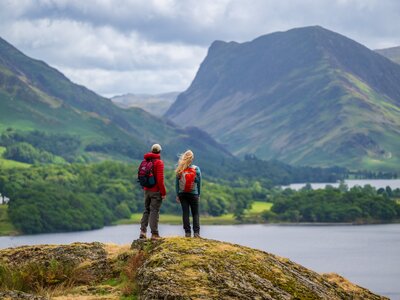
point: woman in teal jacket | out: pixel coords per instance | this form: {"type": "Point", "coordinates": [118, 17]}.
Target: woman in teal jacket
{"type": "Point", "coordinates": [188, 188]}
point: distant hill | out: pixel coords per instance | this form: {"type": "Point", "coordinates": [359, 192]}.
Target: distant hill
{"type": "Point", "coordinates": [308, 96]}
{"type": "Point", "coordinates": [35, 96]}
{"type": "Point", "coordinates": [391, 53]}
{"type": "Point", "coordinates": [155, 104]}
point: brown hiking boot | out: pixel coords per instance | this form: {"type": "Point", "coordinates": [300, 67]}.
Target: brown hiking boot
{"type": "Point", "coordinates": [142, 235]}
{"type": "Point", "coordinates": [155, 236]}
{"type": "Point", "coordinates": [197, 235]}
{"type": "Point", "coordinates": [188, 234]}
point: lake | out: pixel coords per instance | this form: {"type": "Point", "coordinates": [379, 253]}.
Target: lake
{"type": "Point", "coordinates": [367, 255]}
{"type": "Point", "coordinates": [377, 183]}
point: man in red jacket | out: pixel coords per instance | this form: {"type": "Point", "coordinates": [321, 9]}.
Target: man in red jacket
{"type": "Point", "coordinates": [153, 196]}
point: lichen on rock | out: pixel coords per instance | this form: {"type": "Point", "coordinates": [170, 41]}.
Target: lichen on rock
{"type": "Point", "coordinates": [170, 268]}
{"type": "Point", "coordinates": [178, 268]}
{"type": "Point", "coordinates": [54, 270]}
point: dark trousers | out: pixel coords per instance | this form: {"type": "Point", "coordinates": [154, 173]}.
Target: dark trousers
{"type": "Point", "coordinates": [190, 202]}
{"type": "Point", "coordinates": [152, 204]}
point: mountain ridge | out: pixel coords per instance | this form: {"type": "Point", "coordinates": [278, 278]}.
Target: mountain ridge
{"type": "Point", "coordinates": [392, 53]}
{"type": "Point", "coordinates": [36, 96]}
{"type": "Point", "coordinates": [156, 104]}
{"type": "Point", "coordinates": [310, 92]}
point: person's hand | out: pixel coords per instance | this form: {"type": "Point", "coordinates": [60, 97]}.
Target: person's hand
{"type": "Point", "coordinates": [163, 197]}
{"type": "Point", "coordinates": [178, 200]}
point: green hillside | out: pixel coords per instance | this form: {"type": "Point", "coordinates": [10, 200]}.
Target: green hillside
{"type": "Point", "coordinates": [10, 164]}
{"type": "Point", "coordinates": [35, 96]}
{"type": "Point", "coordinates": [46, 118]}
{"type": "Point", "coordinates": [307, 96]}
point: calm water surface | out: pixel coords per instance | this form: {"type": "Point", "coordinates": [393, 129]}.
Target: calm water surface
{"type": "Point", "coordinates": [368, 255]}
{"type": "Point", "coordinates": [377, 183]}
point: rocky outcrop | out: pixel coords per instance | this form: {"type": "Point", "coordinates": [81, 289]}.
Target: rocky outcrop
{"type": "Point", "coordinates": [179, 268]}
{"type": "Point", "coordinates": [171, 268]}
{"type": "Point", "coordinates": [62, 271]}
{"type": "Point", "coordinates": [19, 295]}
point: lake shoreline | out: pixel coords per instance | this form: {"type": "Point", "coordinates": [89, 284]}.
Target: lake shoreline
{"type": "Point", "coordinates": [283, 224]}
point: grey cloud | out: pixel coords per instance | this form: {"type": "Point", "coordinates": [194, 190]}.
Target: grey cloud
{"type": "Point", "coordinates": [201, 22]}
{"type": "Point", "coordinates": [117, 46]}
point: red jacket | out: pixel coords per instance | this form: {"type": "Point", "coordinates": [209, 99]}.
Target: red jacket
{"type": "Point", "coordinates": [158, 165]}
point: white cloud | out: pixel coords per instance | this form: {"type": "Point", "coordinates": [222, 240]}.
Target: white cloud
{"type": "Point", "coordinates": [110, 83]}
{"type": "Point", "coordinates": [105, 60]}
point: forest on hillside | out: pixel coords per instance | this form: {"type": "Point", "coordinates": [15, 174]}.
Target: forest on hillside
{"type": "Point", "coordinates": [61, 189]}
{"type": "Point", "coordinates": [54, 198]}
{"type": "Point", "coordinates": [72, 197]}
{"type": "Point", "coordinates": [332, 205]}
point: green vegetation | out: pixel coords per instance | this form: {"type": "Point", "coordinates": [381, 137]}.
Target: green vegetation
{"type": "Point", "coordinates": [252, 215]}
{"type": "Point", "coordinates": [106, 192]}
{"type": "Point", "coordinates": [6, 227]}
{"type": "Point", "coordinates": [9, 164]}
{"type": "Point", "coordinates": [35, 147]}
{"type": "Point", "coordinates": [33, 275]}
{"type": "Point", "coordinates": [357, 205]}
{"type": "Point", "coordinates": [39, 146]}
{"type": "Point", "coordinates": [24, 152]}
{"type": "Point", "coordinates": [72, 271]}
{"type": "Point", "coordinates": [53, 114]}
{"type": "Point", "coordinates": [66, 198]}
{"type": "Point", "coordinates": [267, 174]}
{"type": "Point", "coordinates": [226, 219]}
{"type": "Point", "coordinates": [52, 198]}
{"type": "Point", "coordinates": [259, 207]}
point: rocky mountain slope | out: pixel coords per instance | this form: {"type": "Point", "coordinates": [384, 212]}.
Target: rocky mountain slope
{"type": "Point", "coordinates": [391, 53]}
{"type": "Point", "coordinates": [172, 268]}
{"type": "Point", "coordinates": [305, 96]}
{"type": "Point", "coordinates": [155, 104]}
{"type": "Point", "coordinates": [35, 96]}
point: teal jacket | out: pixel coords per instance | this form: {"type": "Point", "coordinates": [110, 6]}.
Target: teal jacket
{"type": "Point", "coordinates": [197, 187]}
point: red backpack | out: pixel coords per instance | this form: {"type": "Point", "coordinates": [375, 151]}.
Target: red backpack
{"type": "Point", "coordinates": [146, 176]}
{"type": "Point", "coordinates": [187, 180]}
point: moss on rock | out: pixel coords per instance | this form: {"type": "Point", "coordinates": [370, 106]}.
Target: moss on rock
{"type": "Point", "coordinates": [171, 268]}
{"type": "Point", "coordinates": [179, 268]}
{"type": "Point", "coordinates": [76, 271]}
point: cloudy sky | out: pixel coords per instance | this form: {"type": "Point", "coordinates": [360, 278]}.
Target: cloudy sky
{"type": "Point", "coordinates": [154, 46]}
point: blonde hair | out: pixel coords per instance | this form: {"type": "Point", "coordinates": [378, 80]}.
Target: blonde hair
{"type": "Point", "coordinates": [185, 160]}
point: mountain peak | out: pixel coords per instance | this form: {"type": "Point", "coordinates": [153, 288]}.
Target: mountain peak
{"type": "Point", "coordinates": [304, 96]}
